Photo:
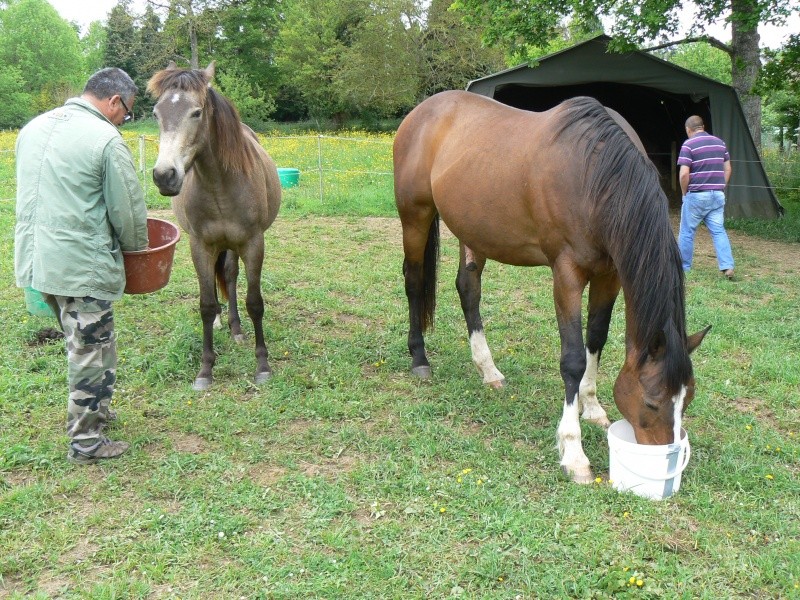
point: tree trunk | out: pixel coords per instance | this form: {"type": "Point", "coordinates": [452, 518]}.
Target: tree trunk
{"type": "Point", "coordinates": [746, 64]}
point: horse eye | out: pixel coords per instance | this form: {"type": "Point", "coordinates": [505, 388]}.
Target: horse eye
{"type": "Point", "coordinates": [196, 114]}
{"type": "Point", "coordinates": [651, 404]}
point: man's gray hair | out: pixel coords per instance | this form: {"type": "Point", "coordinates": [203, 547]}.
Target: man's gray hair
{"type": "Point", "coordinates": [110, 82]}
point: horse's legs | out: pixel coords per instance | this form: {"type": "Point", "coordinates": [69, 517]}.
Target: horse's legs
{"type": "Point", "coordinates": [231, 274]}
{"type": "Point", "coordinates": [253, 258]}
{"type": "Point", "coordinates": [468, 284]}
{"type": "Point", "coordinates": [603, 291]}
{"type": "Point", "coordinates": [421, 249]}
{"type": "Point", "coordinates": [568, 287]}
{"type": "Point", "coordinates": [204, 261]}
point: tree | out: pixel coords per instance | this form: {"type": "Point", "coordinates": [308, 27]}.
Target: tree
{"type": "Point", "coordinates": [452, 54]}
{"type": "Point", "coordinates": [16, 106]}
{"type": "Point", "coordinates": [780, 82]}
{"type": "Point", "coordinates": [513, 23]}
{"type": "Point", "coordinates": [122, 43]}
{"type": "Point", "coordinates": [378, 72]}
{"type": "Point", "coordinates": [310, 45]}
{"type": "Point", "coordinates": [700, 58]}
{"type": "Point", "coordinates": [44, 49]}
{"type": "Point", "coordinates": [93, 46]}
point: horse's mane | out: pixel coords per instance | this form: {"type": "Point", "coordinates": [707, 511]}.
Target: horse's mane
{"type": "Point", "coordinates": [234, 151]}
{"type": "Point", "coordinates": [631, 217]}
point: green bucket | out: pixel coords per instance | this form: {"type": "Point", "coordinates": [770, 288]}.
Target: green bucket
{"type": "Point", "coordinates": [35, 303]}
{"type": "Point", "coordinates": [289, 177]}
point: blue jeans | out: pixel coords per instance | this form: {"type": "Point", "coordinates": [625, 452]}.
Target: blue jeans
{"type": "Point", "coordinates": [708, 208]}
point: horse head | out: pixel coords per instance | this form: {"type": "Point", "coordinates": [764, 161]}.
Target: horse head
{"type": "Point", "coordinates": [183, 115]}
{"type": "Point", "coordinates": [646, 397]}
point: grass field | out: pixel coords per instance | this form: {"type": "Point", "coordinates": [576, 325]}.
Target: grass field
{"type": "Point", "coordinates": [343, 477]}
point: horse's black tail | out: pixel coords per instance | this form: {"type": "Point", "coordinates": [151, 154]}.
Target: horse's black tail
{"type": "Point", "coordinates": [430, 268]}
{"type": "Point", "coordinates": [219, 271]}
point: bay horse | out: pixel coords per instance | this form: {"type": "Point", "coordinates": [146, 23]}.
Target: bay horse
{"type": "Point", "coordinates": [569, 188]}
{"type": "Point", "coordinates": [226, 193]}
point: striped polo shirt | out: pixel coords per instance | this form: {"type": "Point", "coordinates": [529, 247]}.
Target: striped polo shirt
{"type": "Point", "coordinates": [705, 156]}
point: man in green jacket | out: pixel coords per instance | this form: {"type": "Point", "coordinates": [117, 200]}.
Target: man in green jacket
{"type": "Point", "coordinates": [79, 205]}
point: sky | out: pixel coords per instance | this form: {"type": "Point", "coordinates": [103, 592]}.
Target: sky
{"type": "Point", "coordinates": [86, 11]}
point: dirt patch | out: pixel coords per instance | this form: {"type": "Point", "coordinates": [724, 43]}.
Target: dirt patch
{"type": "Point", "coordinates": [266, 475]}
{"type": "Point", "coordinates": [756, 407]}
{"type": "Point", "coordinates": [329, 468]}
{"type": "Point", "coordinates": [191, 444]}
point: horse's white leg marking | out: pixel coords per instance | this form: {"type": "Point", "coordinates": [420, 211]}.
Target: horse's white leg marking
{"type": "Point", "coordinates": [573, 460]}
{"type": "Point", "coordinates": [678, 414]}
{"type": "Point", "coordinates": [218, 321]}
{"type": "Point", "coordinates": [482, 357]}
{"type": "Point", "coordinates": [469, 256]}
{"type": "Point", "coordinates": [592, 411]}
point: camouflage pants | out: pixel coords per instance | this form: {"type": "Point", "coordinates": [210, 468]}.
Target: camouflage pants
{"type": "Point", "coordinates": [88, 326]}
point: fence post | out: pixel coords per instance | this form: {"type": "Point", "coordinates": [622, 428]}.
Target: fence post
{"type": "Point", "coordinates": [142, 165]}
{"type": "Point", "coordinates": [319, 166]}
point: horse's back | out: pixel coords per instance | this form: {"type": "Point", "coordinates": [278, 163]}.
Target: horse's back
{"type": "Point", "coordinates": [497, 175]}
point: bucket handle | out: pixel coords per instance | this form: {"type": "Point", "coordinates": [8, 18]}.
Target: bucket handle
{"type": "Point", "coordinates": [679, 469]}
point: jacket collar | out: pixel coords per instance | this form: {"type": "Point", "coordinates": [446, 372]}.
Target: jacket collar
{"type": "Point", "coordinates": [86, 105]}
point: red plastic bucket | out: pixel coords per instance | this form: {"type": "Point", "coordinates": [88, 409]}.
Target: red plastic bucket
{"type": "Point", "coordinates": [149, 270]}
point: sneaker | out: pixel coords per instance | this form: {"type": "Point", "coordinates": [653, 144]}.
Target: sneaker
{"type": "Point", "coordinates": [102, 448]}
{"type": "Point", "coordinates": [728, 273]}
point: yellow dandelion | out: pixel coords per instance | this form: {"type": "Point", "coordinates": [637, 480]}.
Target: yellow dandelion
{"type": "Point", "coordinates": [466, 471]}
{"type": "Point", "coordinates": [500, 579]}
{"type": "Point", "coordinates": [626, 514]}
{"type": "Point", "coordinates": [632, 580]}
{"type": "Point", "coordinates": [769, 476]}
{"type": "Point", "coordinates": [639, 582]}
{"type": "Point", "coordinates": [626, 569]}
{"type": "Point", "coordinates": [459, 480]}
{"type": "Point", "coordinates": [442, 510]}
{"type": "Point", "coordinates": [480, 482]}
{"type": "Point", "coordinates": [188, 403]}
{"type": "Point", "coordinates": [598, 480]}
{"type": "Point", "coordinates": [748, 427]}
{"type": "Point", "coordinates": [286, 353]}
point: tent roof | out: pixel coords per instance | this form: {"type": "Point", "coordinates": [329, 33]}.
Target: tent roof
{"type": "Point", "coordinates": [656, 97]}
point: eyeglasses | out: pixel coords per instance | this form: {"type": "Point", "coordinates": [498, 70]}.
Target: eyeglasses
{"type": "Point", "coordinates": [128, 112]}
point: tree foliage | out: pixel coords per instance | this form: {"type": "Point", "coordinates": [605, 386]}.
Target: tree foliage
{"type": "Point", "coordinates": [43, 50]}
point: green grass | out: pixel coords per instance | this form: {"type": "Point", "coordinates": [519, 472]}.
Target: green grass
{"type": "Point", "coordinates": [343, 477]}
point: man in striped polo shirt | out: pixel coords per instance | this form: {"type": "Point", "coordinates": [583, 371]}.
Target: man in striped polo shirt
{"type": "Point", "coordinates": [705, 169]}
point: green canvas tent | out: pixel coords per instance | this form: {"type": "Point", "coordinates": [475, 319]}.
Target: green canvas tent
{"type": "Point", "coordinates": [655, 97]}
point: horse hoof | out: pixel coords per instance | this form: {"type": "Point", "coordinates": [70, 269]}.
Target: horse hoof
{"type": "Point", "coordinates": [583, 478]}
{"type": "Point", "coordinates": [262, 377]}
{"type": "Point", "coordinates": [423, 372]}
{"type": "Point", "coordinates": [497, 385]}
{"type": "Point", "coordinates": [201, 384]}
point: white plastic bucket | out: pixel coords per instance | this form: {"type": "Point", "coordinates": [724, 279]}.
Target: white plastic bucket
{"type": "Point", "coordinates": [649, 471]}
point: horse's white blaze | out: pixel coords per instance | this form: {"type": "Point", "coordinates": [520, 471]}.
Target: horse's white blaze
{"type": "Point", "coordinates": [677, 402]}
{"type": "Point", "coordinates": [482, 357]}
{"type": "Point", "coordinates": [592, 411]}
{"type": "Point", "coordinates": [573, 459]}
{"type": "Point", "coordinates": [175, 97]}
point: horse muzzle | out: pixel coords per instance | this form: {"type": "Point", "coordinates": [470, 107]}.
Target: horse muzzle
{"type": "Point", "coordinates": [169, 180]}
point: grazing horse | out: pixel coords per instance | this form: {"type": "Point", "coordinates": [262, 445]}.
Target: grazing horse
{"type": "Point", "coordinates": [226, 193]}
{"type": "Point", "coordinates": [569, 188]}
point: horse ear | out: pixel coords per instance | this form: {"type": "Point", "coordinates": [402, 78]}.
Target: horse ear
{"type": "Point", "coordinates": [657, 346]}
{"type": "Point", "coordinates": [209, 71]}
{"type": "Point", "coordinates": [693, 341]}
{"type": "Point", "coordinates": [172, 65]}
